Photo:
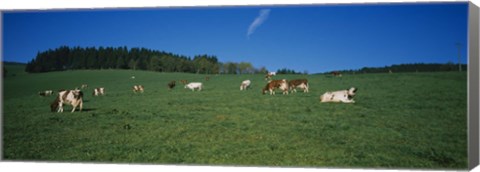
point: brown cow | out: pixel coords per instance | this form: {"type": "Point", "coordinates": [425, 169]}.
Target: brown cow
{"type": "Point", "coordinates": [280, 84]}
{"type": "Point", "coordinates": [300, 83]}
{"type": "Point", "coordinates": [184, 81]}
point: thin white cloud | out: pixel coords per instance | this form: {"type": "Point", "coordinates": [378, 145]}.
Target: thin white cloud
{"type": "Point", "coordinates": [262, 17]}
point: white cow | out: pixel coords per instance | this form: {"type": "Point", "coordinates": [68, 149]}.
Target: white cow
{"type": "Point", "coordinates": [45, 93]}
{"type": "Point", "coordinates": [194, 85]}
{"type": "Point", "coordinates": [72, 97]}
{"type": "Point", "coordinates": [99, 91]}
{"type": "Point", "coordinates": [345, 96]}
{"type": "Point", "coordinates": [138, 88]}
{"type": "Point", "coordinates": [245, 84]}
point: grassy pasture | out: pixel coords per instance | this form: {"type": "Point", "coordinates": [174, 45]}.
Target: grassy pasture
{"type": "Point", "coordinates": [400, 120]}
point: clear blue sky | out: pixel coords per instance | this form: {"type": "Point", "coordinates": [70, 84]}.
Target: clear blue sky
{"type": "Point", "coordinates": [304, 38]}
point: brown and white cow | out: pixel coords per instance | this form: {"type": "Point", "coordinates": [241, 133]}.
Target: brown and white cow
{"type": "Point", "coordinates": [184, 81]}
{"type": "Point", "coordinates": [298, 83]}
{"type": "Point", "coordinates": [71, 97]}
{"type": "Point", "coordinates": [98, 91]}
{"type": "Point", "coordinates": [272, 85]}
{"type": "Point", "coordinates": [138, 88]}
{"type": "Point", "coordinates": [171, 85]}
{"type": "Point", "coordinates": [45, 93]}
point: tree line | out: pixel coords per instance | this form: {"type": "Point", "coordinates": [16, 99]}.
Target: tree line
{"type": "Point", "coordinates": [415, 67]}
{"type": "Point", "coordinates": [68, 58]}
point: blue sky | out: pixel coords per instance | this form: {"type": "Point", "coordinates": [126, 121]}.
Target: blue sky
{"type": "Point", "coordinates": [313, 38]}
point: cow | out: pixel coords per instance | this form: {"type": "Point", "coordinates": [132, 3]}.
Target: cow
{"type": "Point", "coordinates": [71, 97]}
{"type": "Point", "coordinates": [280, 84]}
{"type": "Point", "coordinates": [171, 85]}
{"type": "Point", "coordinates": [194, 85]}
{"type": "Point", "coordinates": [345, 96]}
{"type": "Point", "coordinates": [244, 85]}
{"type": "Point", "coordinates": [83, 86]}
{"type": "Point", "coordinates": [269, 76]}
{"type": "Point", "coordinates": [184, 81]}
{"type": "Point", "coordinates": [98, 91]}
{"type": "Point", "coordinates": [300, 83]}
{"type": "Point", "coordinates": [138, 88]}
{"type": "Point", "coordinates": [336, 74]}
{"type": "Point", "coordinates": [45, 93]}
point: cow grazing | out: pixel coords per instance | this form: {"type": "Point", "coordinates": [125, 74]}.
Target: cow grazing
{"type": "Point", "coordinates": [269, 76]}
{"type": "Point", "coordinates": [83, 86]}
{"type": "Point", "coordinates": [98, 91]}
{"type": "Point", "coordinates": [194, 85]}
{"type": "Point", "coordinates": [272, 85]}
{"type": "Point", "coordinates": [71, 97]}
{"type": "Point", "coordinates": [184, 82]}
{"type": "Point", "coordinates": [336, 74]}
{"type": "Point", "coordinates": [45, 93]}
{"type": "Point", "coordinates": [245, 84]}
{"type": "Point", "coordinates": [298, 83]}
{"type": "Point", "coordinates": [171, 85]}
{"type": "Point", "coordinates": [138, 88]}
{"type": "Point", "coordinates": [345, 96]}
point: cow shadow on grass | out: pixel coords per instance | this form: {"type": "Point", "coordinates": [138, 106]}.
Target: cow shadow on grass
{"type": "Point", "coordinates": [88, 109]}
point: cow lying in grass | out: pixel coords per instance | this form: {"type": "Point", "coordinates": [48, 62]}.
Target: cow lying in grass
{"type": "Point", "coordinates": [272, 85]}
{"type": "Point", "coordinates": [345, 96]}
{"type": "Point", "coordinates": [71, 97]}
{"type": "Point", "coordinates": [245, 84]}
{"type": "Point", "coordinates": [194, 85]}
{"type": "Point", "coordinates": [298, 83]}
{"type": "Point", "coordinates": [138, 88]}
{"type": "Point", "coordinates": [98, 91]}
{"type": "Point", "coordinates": [45, 93]}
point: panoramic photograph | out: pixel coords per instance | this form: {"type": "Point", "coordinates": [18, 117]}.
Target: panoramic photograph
{"type": "Point", "coordinates": [312, 86]}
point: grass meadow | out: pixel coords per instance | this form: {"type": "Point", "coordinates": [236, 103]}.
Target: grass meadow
{"type": "Point", "coordinates": [399, 120]}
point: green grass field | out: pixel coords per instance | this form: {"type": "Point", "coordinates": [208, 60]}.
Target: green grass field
{"type": "Point", "coordinates": [399, 120]}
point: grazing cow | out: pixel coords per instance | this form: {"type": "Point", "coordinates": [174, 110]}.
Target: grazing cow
{"type": "Point", "coordinates": [194, 85]}
{"type": "Point", "coordinates": [72, 97]}
{"type": "Point", "coordinates": [84, 86]}
{"type": "Point", "coordinates": [345, 96]}
{"type": "Point", "coordinates": [336, 74]}
{"type": "Point", "coordinates": [138, 88]}
{"type": "Point", "coordinates": [245, 84]}
{"type": "Point", "coordinates": [184, 82]}
{"type": "Point", "coordinates": [98, 91]}
{"type": "Point", "coordinates": [171, 85]}
{"type": "Point", "coordinates": [45, 93]}
{"type": "Point", "coordinates": [280, 84]}
{"type": "Point", "coordinates": [300, 83]}
{"type": "Point", "coordinates": [268, 76]}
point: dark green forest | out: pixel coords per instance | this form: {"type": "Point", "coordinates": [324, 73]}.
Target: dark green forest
{"type": "Point", "coordinates": [414, 67]}
{"type": "Point", "coordinates": [67, 58]}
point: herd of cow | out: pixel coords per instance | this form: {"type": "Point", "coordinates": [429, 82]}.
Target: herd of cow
{"type": "Point", "coordinates": [75, 97]}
